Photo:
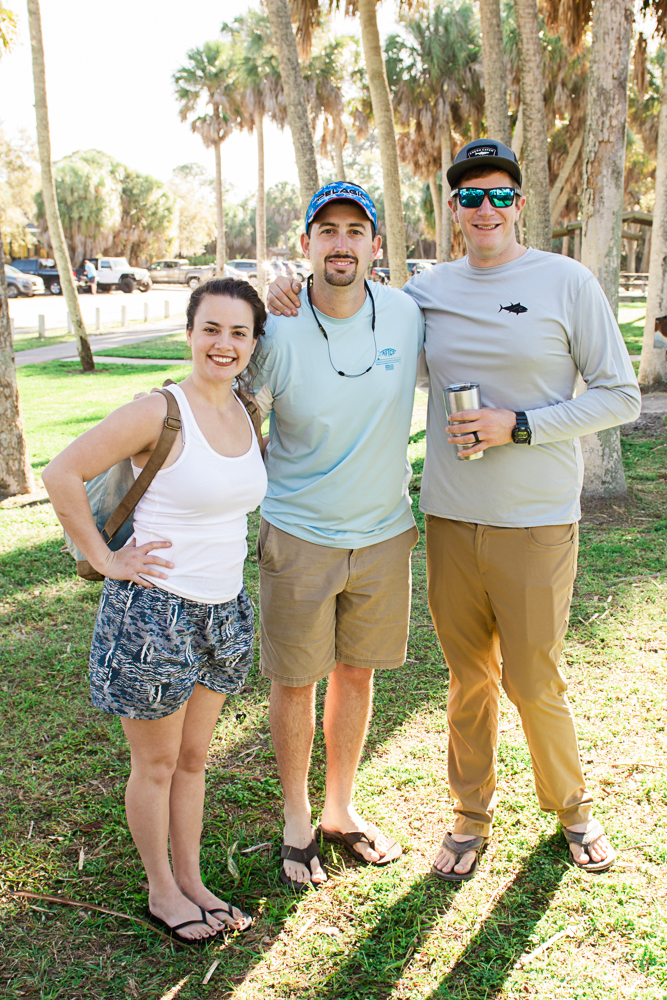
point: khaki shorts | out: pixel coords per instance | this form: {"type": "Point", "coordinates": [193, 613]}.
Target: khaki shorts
{"type": "Point", "coordinates": [319, 605]}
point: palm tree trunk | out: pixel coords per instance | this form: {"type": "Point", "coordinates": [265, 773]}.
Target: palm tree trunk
{"type": "Point", "coordinates": [220, 248]}
{"type": "Point", "coordinates": [602, 200]}
{"type": "Point", "coordinates": [517, 135]}
{"type": "Point", "coordinates": [384, 122]}
{"type": "Point", "coordinates": [437, 212]}
{"type": "Point", "coordinates": [536, 167]}
{"type": "Point", "coordinates": [295, 97]}
{"type": "Point", "coordinates": [260, 210]}
{"type": "Point", "coordinates": [60, 251]}
{"type": "Point", "coordinates": [495, 81]}
{"type": "Point", "coordinates": [338, 148]}
{"type": "Point", "coordinates": [446, 155]}
{"type": "Point", "coordinates": [558, 195]}
{"type": "Point", "coordinates": [15, 471]}
{"type": "Point", "coordinates": [653, 363]}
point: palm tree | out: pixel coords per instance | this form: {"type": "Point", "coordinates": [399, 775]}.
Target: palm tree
{"type": "Point", "coordinates": [210, 74]}
{"type": "Point", "coordinates": [433, 78]}
{"type": "Point", "coordinates": [323, 78]}
{"type": "Point", "coordinates": [262, 96]}
{"type": "Point", "coordinates": [535, 157]}
{"type": "Point", "coordinates": [58, 243]}
{"type": "Point", "coordinates": [15, 471]}
{"type": "Point", "coordinates": [495, 80]}
{"type": "Point", "coordinates": [295, 97]}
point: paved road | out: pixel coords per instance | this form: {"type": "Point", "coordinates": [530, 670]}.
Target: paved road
{"type": "Point", "coordinates": [62, 352]}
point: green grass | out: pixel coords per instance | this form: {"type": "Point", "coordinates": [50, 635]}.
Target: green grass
{"type": "Point", "coordinates": [631, 321]}
{"type": "Point", "coordinates": [369, 934]}
{"type": "Point", "coordinates": [162, 347]}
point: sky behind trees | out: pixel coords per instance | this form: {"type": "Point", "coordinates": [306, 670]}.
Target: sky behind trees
{"type": "Point", "coordinates": [109, 78]}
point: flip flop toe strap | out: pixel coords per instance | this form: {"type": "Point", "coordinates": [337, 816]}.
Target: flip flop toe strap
{"type": "Point", "coordinates": [588, 839]}
{"type": "Point", "coordinates": [460, 848]}
{"type": "Point", "coordinates": [302, 856]}
{"type": "Point", "coordinates": [189, 923]}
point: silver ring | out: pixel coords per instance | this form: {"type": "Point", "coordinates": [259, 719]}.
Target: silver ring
{"type": "Point", "coordinates": [476, 437]}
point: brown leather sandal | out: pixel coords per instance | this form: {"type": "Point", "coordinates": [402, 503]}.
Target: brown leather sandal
{"type": "Point", "coordinates": [348, 840]}
{"type": "Point", "coordinates": [459, 848]}
{"type": "Point", "coordinates": [589, 839]}
{"type": "Point", "coordinates": [303, 856]}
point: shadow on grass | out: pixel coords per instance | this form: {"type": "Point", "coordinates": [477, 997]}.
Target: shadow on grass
{"type": "Point", "coordinates": [504, 936]}
{"type": "Point", "coordinates": [33, 566]}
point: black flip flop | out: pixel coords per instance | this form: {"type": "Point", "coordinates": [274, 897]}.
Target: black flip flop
{"type": "Point", "coordinates": [228, 909]}
{"type": "Point", "coordinates": [459, 848]}
{"type": "Point", "coordinates": [173, 931]}
{"type": "Point", "coordinates": [302, 856]}
{"type": "Point", "coordinates": [357, 837]}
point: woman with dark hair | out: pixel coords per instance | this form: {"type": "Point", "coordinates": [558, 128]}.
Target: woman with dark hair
{"type": "Point", "coordinates": [174, 635]}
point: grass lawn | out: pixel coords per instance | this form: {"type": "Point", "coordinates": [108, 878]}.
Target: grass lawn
{"type": "Point", "coordinates": [527, 926]}
{"type": "Point", "coordinates": [631, 321]}
{"type": "Point", "coordinates": [174, 346]}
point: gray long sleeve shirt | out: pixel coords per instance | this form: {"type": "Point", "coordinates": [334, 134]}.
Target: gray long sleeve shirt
{"type": "Point", "coordinates": [522, 330]}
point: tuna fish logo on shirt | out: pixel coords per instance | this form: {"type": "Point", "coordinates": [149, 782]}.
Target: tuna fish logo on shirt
{"type": "Point", "coordinates": [514, 307]}
{"type": "Point", "coordinates": [388, 358]}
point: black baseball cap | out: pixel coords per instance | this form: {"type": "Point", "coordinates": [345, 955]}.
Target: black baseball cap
{"type": "Point", "coordinates": [483, 153]}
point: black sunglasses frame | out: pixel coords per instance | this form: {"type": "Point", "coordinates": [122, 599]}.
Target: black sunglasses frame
{"type": "Point", "coordinates": [491, 193]}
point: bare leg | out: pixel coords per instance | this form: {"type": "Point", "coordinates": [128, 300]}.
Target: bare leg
{"type": "Point", "coordinates": [187, 800]}
{"type": "Point", "coordinates": [155, 746]}
{"type": "Point", "coordinates": [292, 717]}
{"type": "Point", "coordinates": [347, 710]}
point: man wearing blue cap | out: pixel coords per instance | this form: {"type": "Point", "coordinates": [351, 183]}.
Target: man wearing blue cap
{"type": "Point", "coordinates": [337, 528]}
{"type": "Point", "coordinates": [501, 534]}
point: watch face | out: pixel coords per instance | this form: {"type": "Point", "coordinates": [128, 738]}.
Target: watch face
{"type": "Point", "coordinates": [521, 435]}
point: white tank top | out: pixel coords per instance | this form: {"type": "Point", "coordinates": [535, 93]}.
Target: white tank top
{"type": "Point", "coordinates": [200, 504]}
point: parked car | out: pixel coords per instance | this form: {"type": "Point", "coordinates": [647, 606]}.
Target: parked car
{"type": "Point", "coordinates": [22, 284]}
{"type": "Point", "coordinates": [41, 268]}
{"type": "Point", "coordinates": [302, 269]}
{"type": "Point", "coordinates": [115, 272]}
{"type": "Point", "coordinates": [380, 274]}
{"type": "Point", "coordinates": [417, 265]}
{"type": "Point", "coordinates": [180, 272]}
{"type": "Point", "coordinates": [248, 269]}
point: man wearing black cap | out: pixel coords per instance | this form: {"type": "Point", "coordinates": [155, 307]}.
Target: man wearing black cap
{"type": "Point", "coordinates": [501, 533]}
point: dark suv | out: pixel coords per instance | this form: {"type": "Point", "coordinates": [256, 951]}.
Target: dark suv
{"type": "Point", "coordinates": [45, 269]}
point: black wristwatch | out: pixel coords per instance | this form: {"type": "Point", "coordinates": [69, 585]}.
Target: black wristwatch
{"type": "Point", "coordinates": [521, 432]}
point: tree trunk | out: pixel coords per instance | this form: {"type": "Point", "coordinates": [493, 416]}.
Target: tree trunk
{"type": "Point", "coordinates": [653, 364]}
{"type": "Point", "coordinates": [60, 251]}
{"type": "Point", "coordinates": [645, 265]}
{"type": "Point", "coordinates": [446, 154]}
{"type": "Point", "coordinates": [260, 210]}
{"type": "Point", "coordinates": [602, 200]}
{"type": "Point", "coordinates": [15, 471]}
{"type": "Point", "coordinates": [384, 122]}
{"type": "Point", "coordinates": [437, 212]}
{"type": "Point", "coordinates": [536, 167]}
{"type": "Point", "coordinates": [558, 197]}
{"type": "Point", "coordinates": [495, 81]}
{"type": "Point", "coordinates": [517, 135]}
{"type": "Point", "coordinates": [338, 148]}
{"type": "Point", "coordinates": [295, 97]}
{"type": "Point", "coordinates": [220, 239]}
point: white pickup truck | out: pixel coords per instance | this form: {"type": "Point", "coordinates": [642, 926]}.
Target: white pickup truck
{"type": "Point", "coordinates": [115, 272]}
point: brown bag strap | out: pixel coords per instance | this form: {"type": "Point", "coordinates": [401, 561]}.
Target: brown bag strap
{"type": "Point", "coordinates": [251, 406]}
{"type": "Point", "coordinates": [172, 425]}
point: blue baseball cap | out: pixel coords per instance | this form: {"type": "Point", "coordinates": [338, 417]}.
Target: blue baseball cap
{"type": "Point", "coordinates": [341, 191]}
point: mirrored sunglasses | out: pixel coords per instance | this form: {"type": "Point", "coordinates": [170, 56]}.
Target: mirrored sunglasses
{"type": "Point", "coordinates": [470, 197]}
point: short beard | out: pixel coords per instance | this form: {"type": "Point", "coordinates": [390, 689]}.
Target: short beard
{"type": "Point", "coordinates": [340, 280]}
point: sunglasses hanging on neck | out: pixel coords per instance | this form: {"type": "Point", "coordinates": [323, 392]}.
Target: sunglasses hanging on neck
{"type": "Point", "coordinates": [309, 285]}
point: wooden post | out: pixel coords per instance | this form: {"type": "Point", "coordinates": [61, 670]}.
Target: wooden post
{"type": "Point", "coordinates": [166, 308]}
{"type": "Point", "coordinates": [41, 323]}
{"type": "Point", "coordinates": [123, 316]}
{"type": "Point", "coordinates": [98, 324]}
{"type": "Point", "coordinates": [565, 246]}
{"type": "Point", "coordinates": [577, 244]}
{"type": "Point", "coordinates": [70, 328]}
{"type": "Point", "coordinates": [145, 312]}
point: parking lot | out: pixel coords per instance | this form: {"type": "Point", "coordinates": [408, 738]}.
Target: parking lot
{"type": "Point", "coordinates": [25, 311]}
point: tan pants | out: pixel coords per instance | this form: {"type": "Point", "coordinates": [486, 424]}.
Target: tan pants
{"type": "Point", "coordinates": [505, 593]}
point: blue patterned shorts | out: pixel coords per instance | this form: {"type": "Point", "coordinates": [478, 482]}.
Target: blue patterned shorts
{"type": "Point", "coordinates": [151, 647]}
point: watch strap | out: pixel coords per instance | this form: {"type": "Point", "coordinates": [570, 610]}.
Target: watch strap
{"type": "Point", "coordinates": [521, 433]}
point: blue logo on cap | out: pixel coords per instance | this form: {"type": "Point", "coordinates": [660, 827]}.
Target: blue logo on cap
{"type": "Point", "coordinates": [341, 191]}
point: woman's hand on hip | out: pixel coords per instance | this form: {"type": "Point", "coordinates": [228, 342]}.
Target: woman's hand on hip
{"type": "Point", "coordinates": [127, 563]}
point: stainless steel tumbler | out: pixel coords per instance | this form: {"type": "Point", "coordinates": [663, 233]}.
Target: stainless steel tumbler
{"type": "Point", "coordinates": [464, 396]}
